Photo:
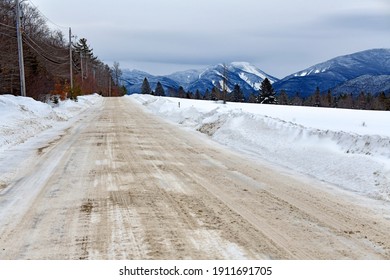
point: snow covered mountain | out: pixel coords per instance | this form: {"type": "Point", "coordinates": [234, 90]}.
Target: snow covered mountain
{"type": "Point", "coordinates": [246, 75]}
{"type": "Point", "coordinates": [367, 71]}
{"type": "Point", "coordinates": [133, 80]}
{"type": "Point", "coordinates": [368, 83]}
{"type": "Point", "coordinates": [334, 73]}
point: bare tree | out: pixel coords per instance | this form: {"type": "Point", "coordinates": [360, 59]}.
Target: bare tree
{"type": "Point", "coordinates": [116, 73]}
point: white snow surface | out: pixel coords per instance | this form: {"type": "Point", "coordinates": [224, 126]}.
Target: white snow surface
{"type": "Point", "coordinates": [349, 149]}
{"type": "Point", "coordinates": [22, 118]}
{"type": "Point", "coordinates": [247, 67]}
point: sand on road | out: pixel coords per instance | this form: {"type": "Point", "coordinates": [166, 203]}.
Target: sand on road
{"type": "Point", "coordinates": [123, 184]}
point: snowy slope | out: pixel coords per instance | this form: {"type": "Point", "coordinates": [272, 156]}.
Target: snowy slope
{"type": "Point", "coordinates": [336, 71]}
{"type": "Point", "coordinates": [246, 75]}
{"type": "Point", "coordinates": [347, 148]}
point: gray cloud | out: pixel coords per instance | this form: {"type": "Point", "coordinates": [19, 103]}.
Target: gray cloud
{"type": "Point", "coordinates": [279, 36]}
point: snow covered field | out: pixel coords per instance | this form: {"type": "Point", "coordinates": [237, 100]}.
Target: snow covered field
{"type": "Point", "coordinates": [347, 148]}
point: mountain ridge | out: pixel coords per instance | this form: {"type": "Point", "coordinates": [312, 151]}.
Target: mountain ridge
{"type": "Point", "coordinates": [367, 70]}
{"type": "Point", "coordinates": [246, 75]}
{"type": "Point", "coordinates": [333, 73]}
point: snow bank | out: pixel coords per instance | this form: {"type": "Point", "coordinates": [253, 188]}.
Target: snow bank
{"type": "Point", "coordinates": [22, 118]}
{"type": "Point", "coordinates": [348, 148]}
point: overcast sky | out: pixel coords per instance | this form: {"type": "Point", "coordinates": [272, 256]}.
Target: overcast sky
{"type": "Point", "coordinates": [278, 36]}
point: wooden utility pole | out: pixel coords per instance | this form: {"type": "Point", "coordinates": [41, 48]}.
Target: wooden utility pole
{"type": "Point", "coordinates": [20, 49]}
{"type": "Point", "coordinates": [70, 60]}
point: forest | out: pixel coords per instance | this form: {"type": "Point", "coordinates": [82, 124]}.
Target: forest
{"type": "Point", "coordinates": [47, 60]}
{"type": "Point", "coordinates": [267, 95]}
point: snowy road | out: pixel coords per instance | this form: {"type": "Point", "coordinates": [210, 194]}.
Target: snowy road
{"type": "Point", "coordinates": [123, 184]}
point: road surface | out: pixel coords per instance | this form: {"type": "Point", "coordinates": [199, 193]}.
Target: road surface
{"type": "Point", "coordinates": [123, 184]}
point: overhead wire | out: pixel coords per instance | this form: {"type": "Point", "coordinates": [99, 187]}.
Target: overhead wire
{"type": "Point", "coordinates": [43, 54]}
{"type": "Point", "coordinates": [8, 35]}
{"type": "Point", "coordinates": [66, 57]}
{"type": "Point", "coordinates": [48, 19]}
{"type": "Point", "coordinates": [9, 26]}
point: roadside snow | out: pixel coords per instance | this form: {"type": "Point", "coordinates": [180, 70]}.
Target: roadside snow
{"type": "Point", "coordinates": [347, 148]}
{"type": "Point", "coordinates": [27, 125]}
{"type": "Point", "coordinates": [22, 118]}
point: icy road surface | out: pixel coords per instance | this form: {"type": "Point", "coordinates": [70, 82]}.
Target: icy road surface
{"type": "Point", "coordinates": [123, 184]}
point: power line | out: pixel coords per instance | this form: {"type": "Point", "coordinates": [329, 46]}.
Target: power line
{"type": "Point", "coordinates": [8, 35]}
{"type": "Point", "coordinates": [43, 55]}
{"type": "Point", "coordinates": [49, 20]}
{"type": "Point", "coordinates": [9, 26]}
{"type": "Point", "coordinates": [26, 37]}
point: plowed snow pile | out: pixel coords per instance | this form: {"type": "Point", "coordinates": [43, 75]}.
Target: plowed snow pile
{"type": "Point", "coordinates": [22, 118]}
{"type": "Point", "coordinates": [348, 148]}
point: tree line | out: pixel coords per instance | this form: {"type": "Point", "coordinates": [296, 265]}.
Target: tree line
{"type": "Point", "coordinates": [47, 59]}
{"type": "Point", "coordinates": [267, 95]}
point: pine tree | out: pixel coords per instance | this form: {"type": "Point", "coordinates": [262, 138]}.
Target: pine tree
{"type": "Point", "coordinates": [207, 95]}
{"type": "Point", "coordinates": [83, 48]}
{"type": "Point", "coordinates": [237, 94]}
{"type": "Point", "coordinates": [181, 92]}
{"type": "Point", "coordinates": [328, 100]}
{"type": "Point", "coordinates": [253, 98]}
{"type": "Point", "coordinates": [145, 88]}
{"type": "Point", "coordinates": [267, 93]}
{"type": "Point", "coordinates": [159, 91]}
{"type": "Point", "coordinates": [283, 98]}
{"type": "Point", "coordinates": [197, 94]}
{"type": "Point", "coordinates": [317, 97]}
{"type": "Point", "coordinates": [297, 100]}
{"type": "Point", "coordinates": [214, 93]}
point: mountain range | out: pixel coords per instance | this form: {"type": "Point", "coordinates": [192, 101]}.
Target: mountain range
{"type": "Point", "coordinates": [367, 71]}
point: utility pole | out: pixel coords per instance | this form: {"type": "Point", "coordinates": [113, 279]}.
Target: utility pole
{"type": "Point", "coordinates": [70, 60]}
{"type": "Point", "coordinates": [20, 49]}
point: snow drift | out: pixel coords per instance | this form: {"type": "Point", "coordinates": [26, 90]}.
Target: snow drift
{"type": "Point", "coordinates": [22, 118]}
{"type": "Point", "coordinates": [347, 148]}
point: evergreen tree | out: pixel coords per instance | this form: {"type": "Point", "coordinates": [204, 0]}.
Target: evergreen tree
{"type": "Point", "coordinates": [267, 93]}
{"type": "Point", "coordinates": [207, 95]}
{"type": "Point", "coordinates": [361, 101]}
{"type": "Point", "coordinates": [145, 88]}
{"type": "Point", "coordinates": [283, 98]}
{"type": "Point", "coordinates": [237, 94]}
{"type": "Point", "coordinates": [214, 94]}
{"type": "Point", "coordinates": [253, 98]}
{"type": "Point", "coordinates": [181, 92]}
{"type": "Point", "coordinates": [83, 48]}
{"type": "Point", "coordinates": [328, 100]}
{"type": "Point", "coordinates": [297, 100]}
{"type": "Point", "coordinates": [317, 97]}
{"type": "Point", "coordinates": [159, 90]}
{"type": "Point", "coordinates": [382, 102]}
{"type": "Point", "coordinates": [197, 94]}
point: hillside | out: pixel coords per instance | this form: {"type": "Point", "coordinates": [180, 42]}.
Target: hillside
{"type": "Point", "coordinates": [246, 75]}
{"type": "Point", "coordinates": [333, 73]}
